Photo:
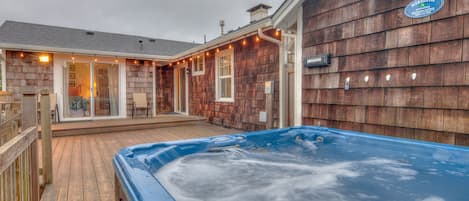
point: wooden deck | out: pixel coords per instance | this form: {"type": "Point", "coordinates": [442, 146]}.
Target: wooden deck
{"type": "Point", "coordinates": [106, 126]}
{"type": "Point", "coordinates": [82, 164]}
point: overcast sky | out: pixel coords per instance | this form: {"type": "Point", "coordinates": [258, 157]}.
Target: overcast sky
{"type": "Point", "coordinates": [186, 20]}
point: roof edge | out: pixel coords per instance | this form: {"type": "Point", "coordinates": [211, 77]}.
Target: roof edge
{"type": "Point", "coordinates": [284, 10]}
{"type": "Point", "coordinates": [9, 46]}
{"type": "Point", "coordinates": [266, 22]}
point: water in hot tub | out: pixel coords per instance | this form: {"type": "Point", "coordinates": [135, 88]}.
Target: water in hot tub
{"type": "Point", "coordinates": [306, 170]}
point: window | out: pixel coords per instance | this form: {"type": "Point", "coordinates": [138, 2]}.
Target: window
{"type": "Point", "coordinates": [198, 65]}
{"type": "Point", "coordinates": [224, 72]}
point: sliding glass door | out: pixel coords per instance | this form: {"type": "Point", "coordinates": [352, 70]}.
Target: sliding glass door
{"type": "Point", "coordinates": [91, 90]}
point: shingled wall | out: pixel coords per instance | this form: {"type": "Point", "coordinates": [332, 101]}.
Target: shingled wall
{"type": "Point", "coordinates": [374, 38]}
{"type": "Point", "coordinates": [26, 70]}
{"type": "Point", "coordinates": [254, 63]}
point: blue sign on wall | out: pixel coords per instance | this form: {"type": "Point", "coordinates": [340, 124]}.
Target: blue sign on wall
{"type": "Point", "coordinates": [423, 8]}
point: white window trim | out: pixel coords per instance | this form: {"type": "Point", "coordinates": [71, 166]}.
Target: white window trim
{"type": "Point", "coordinates": [201, 72]}
{"type": "Point", "coordinates": [217, 77]}
{"type": "Point", "coordinates": [3, 77]}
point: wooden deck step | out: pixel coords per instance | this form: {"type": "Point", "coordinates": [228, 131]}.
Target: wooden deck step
{"type": "Point", "coordinates": [118, 125]}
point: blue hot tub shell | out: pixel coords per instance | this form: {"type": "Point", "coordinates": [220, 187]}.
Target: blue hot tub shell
{"type": "Point", "coordinates": [136, 166]}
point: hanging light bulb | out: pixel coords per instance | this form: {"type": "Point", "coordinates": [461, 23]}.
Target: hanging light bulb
{"type": "Point", "coordinates": [277, 33]}
{"type": "Point", "coordinates": [245, 42]}
{"type": "Point", "coordinates": [135, 61]}
{"type": "Point", "coordinates": [258, 39]}
{"type": "Point", "coordinates": [170, 64]}
{"type": "Point", "coordinates": [22, 55]}
{"type": "Point", "coordinates": [208, 53]}
{"type": "Point", "coordinates": [218, 50]}
{"type": "Point", "coordinates": [178, 63]}
{"type": "Point", "coordinates": [230, 46]}
{"type": "Point", "coordinates": [190, 59]}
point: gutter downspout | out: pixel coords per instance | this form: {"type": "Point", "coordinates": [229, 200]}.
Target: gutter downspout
{"type": "Point", "coordinates": [281, 75]}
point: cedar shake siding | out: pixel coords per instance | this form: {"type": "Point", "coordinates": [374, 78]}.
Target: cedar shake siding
{"type": "Point", "coordinates": [164, 90]}
{"type": "Point", "coordinates": [374, 38]}
{"type": "Point", "coordinates": [139, 80]}
{"type": "Point", "coordinates": [254, 64]}
{"type": "Point", "coordinates": [27, 71]}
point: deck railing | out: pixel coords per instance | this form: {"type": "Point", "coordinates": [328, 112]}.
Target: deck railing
{"type": "Point", "coordinates": [19, 169]}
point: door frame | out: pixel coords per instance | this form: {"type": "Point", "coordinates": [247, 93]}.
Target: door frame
{"type": "Point", "coordinates": [60, 61]}
{"type": "Point", "coordinates": [176, 72]}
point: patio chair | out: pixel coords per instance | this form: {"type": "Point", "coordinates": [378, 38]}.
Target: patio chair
{"type": "Point", "coordinates": [140, 102]}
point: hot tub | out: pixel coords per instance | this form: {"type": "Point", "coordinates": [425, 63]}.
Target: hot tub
{"type": "Point", "coordinates": [293, 164]}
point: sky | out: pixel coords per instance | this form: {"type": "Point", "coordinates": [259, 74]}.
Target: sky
{"type": "Point", "coordinates": [184, 20]}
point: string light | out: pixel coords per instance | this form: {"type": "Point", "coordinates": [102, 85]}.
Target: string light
{"type": "Point", "coordinates": [190, 59]}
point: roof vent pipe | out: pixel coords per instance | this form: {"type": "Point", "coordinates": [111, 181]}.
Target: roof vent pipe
{"type": "Point", "coordinates": [222, 26]}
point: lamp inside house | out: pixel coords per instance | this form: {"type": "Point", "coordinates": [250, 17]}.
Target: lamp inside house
{"type": "Point", "coordinates": [44, 58]}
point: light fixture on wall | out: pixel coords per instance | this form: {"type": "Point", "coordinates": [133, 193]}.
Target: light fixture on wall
{"type": "Point", "coordinates": [347, 84]}
{"type": "Point", "coordinates": [95, 60]}
{"type": "Point", "coordinates": [258, 39]}
{"type": "Point", "coordinates": [170, 64]}
{"type": "Point", "coordinates": [388, 77]}
{"type": "Point", "coordinates": [245, 42]}
{"type": "Point", "coordinates": [366, 79]}
{"type": "Point", "coordinates": [116, 60]}
{"type": "Point", "coordinates": [207, 54]}
{"type": "Point", "coordinates": [44, 58]}
{"type": "Point", "coordinates": [413, 76]}
{"type": "Point", "coordinates": [230, 46]}
{"type": "Point", "coordinates": [218, 50]}
{"type": "Point", "coordinates": [21, 55]}
{"type": "Point", "coordinates": [277, 33]}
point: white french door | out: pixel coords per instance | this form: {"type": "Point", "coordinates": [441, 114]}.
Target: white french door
{"type": "Point", "coordinates": [91, 90]}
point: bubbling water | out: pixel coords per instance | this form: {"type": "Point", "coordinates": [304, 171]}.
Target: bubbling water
{"type": "Point", "coordinates": [239, 175]}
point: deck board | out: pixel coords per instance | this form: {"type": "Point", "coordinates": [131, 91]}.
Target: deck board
{"type": "Point", "coordinates": [82, 164]}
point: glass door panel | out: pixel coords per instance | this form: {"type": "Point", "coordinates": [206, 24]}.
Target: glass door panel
{"type": "Point", "coordinates": [105, 85]}
{"type": "Point", "coordinates": [77, 93]}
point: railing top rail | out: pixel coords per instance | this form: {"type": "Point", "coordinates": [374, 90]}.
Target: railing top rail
{"type": "Point", "coordinates": [14, 147]}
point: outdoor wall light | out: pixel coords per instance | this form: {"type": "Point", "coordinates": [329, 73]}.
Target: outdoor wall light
{"type": "Point", "coordinates": [388, 77]}
{"type": "Point", "coordinates": [414, 76]}
{"type": "Point", "coordinates": [366, 79]}
{"type": "Point", "coordinates": [44, 58]}
{"type": "Point", "coordinates": [244, 42]}
{"type": "Point", "coordinates": [117, 61]}
{"type": "Point", "coordinates": [347, 84]}
{"type": "Point", "coordinates": [95, 59]}
{"type": "Point", "coordinates": [207, 54]}
{"type": "Point", "coordinates": [22, 55]}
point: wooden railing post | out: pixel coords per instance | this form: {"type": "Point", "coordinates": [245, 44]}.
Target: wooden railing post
{"type": "Point", "coordinates": [29, 119]}
{"type": "Point", "coordinates": [46, 136]}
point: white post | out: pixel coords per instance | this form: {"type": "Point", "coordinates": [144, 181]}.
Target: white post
{"type": "Point", "coordinates": [298, 69]}
{"type": "Point", "coordinates": [153, 102]}
{"type": "Point", "coordinates": [3, 60]}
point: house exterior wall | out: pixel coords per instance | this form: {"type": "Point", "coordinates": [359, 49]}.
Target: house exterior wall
{"type": "Point", "coordinates": [164, 90]}
{"type": "Point", "coordinates": [27, 71]}
{"type": "Point", "coordinates": [254, 63]}
{"type": "Point", "coordinates": [139, 80]}
{"type": "Point", "coordinates": [374, 38]}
